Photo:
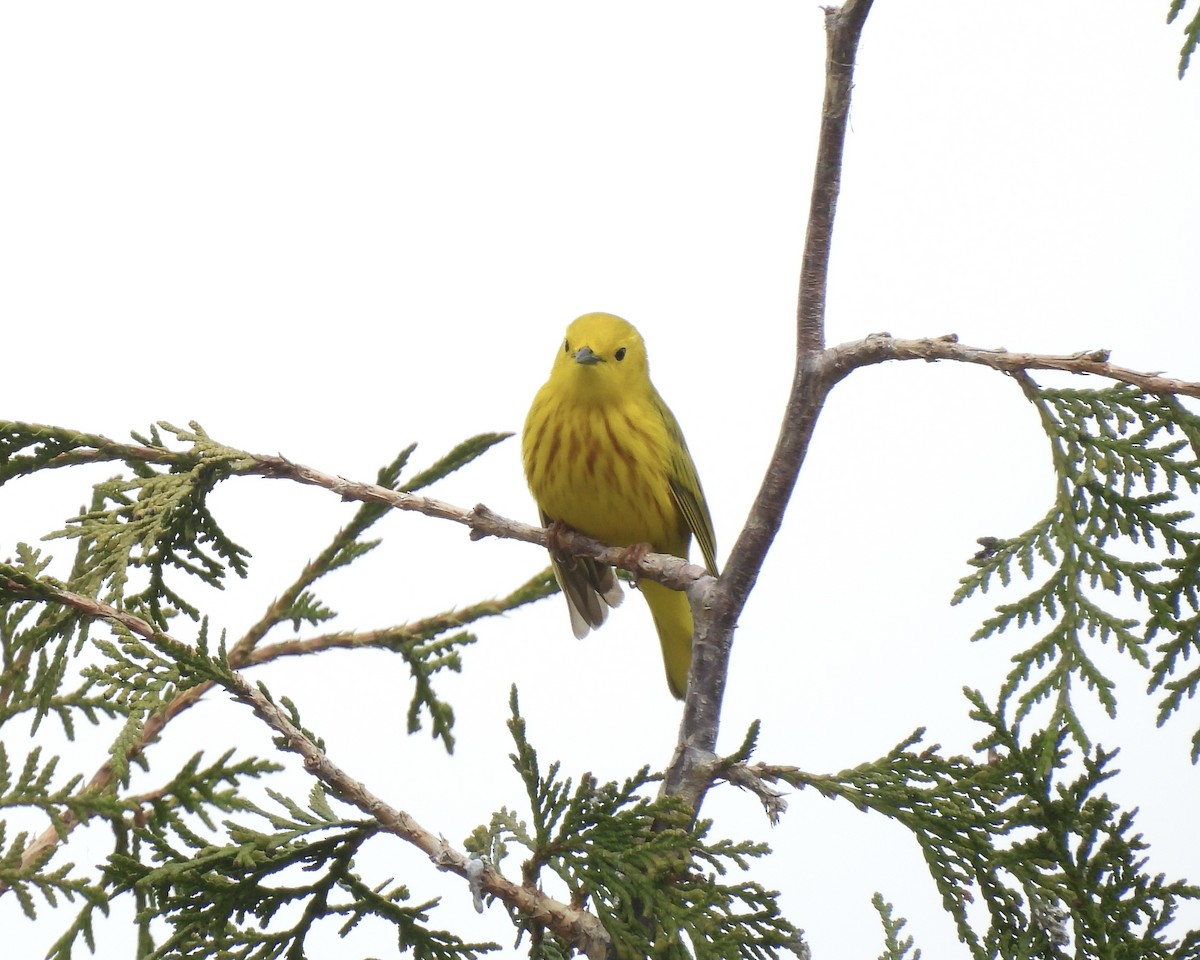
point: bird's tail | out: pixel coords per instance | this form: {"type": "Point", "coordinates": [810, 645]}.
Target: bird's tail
{"type": "Point", "coordinates": [673, 620]}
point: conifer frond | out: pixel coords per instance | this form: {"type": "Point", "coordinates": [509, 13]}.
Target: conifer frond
{"type": "Point", "coordinates": [26, 448]}
{"type": "Point", "coordinates": [893, 947]}
{"type": "Point", "coordinates": [26, 880]}
{"type": "Point", "coordinates": [157, 521]}
{"type": "Point", "coordinates": [1191, 34]}
{"type": "Point", "coordinates": [642, 865]}
{"type": "Point", "coordinates": [456, 459]}
{"type": "Point", "coordinates": [201, 790]}
{"type": "Point", "coordinates": [256, 892]}
{"type": "Point", "coordinates": [1122, 460]}
{"type": "Point", "coordinates": [1051, 861]}
{"type": "Point", "coordinates": [37, 643]}
{"type": "Point", "coordinates": [33, 787]}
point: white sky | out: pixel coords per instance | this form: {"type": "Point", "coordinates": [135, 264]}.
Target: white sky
{"type": "Point", "coordinates": [332, 230]}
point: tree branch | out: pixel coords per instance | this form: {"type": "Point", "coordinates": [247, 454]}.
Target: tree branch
{"type": "Point", "coordinates": [666, 569]}
{"type": "Point", "coordinates": [879, 347]}
{"type": "Point", "coordinates": [716, 613]}
{"type": "Point", "coordinates": [843, 27]}
{"type": "Point", "coordinates": [716, 607]}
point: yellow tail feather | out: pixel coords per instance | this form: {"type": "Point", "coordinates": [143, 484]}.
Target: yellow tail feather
{"type": "Point", "coordinates": [673, 620]}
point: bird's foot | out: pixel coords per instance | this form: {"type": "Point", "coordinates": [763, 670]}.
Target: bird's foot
{"type": "Point", "coordinates": [632, 555]}
{"type": "Point", "coordinates": [554, 532]}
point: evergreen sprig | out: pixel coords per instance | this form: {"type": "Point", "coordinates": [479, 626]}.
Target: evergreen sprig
{"type": "Point", "coordinates": [199, 790]}
{"type": "Point", "coordinates": [893, 947]}
{"type": "Point", "coordinates": [159, 521]}
{"type": "Point", "coordinates": [37, 642]}
{"type": "Point", "coordinates": [257, 892]}
{"type": "Point", "coordinates": [1122, 459]}
{"type": "Point", "coordinates": [32, 787]}
{"type": "Point", "coordinates": [1191, 33]}
{"type": "Point", "coordinates": [1054, 863]}
{"type": "Point", "coordinates": [26, 448]}
{"type": "Point", "coordinates": [192, 790]}
{"type": "Point", "coordinates": [643, 866]}
{"type": "Point", "coordinates": [26, 879]}
{"type": "Point", "coordinates": [1077, 860]}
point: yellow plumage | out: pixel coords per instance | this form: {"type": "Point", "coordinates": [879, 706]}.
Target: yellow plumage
{"type": "Point", "coordinates": [604, 455]}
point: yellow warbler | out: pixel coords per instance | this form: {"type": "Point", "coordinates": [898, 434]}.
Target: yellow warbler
{"type": "Point", "coordinates": [605, 456]}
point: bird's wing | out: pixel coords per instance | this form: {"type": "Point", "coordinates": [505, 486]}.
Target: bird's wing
{"type": "Point", "coordinates": [686, 492]}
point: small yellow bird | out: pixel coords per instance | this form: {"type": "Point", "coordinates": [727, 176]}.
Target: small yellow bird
{"type": "Point", "coordinates": [604, 455]}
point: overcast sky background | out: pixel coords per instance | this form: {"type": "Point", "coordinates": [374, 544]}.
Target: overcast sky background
{"type": "Point", "coordinates": [333, 230]}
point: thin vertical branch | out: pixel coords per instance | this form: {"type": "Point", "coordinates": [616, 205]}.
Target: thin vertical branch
{"type": "Point", "coordinates": [843, 28]}
{"type": "Point", "coordinates": [718, 608]}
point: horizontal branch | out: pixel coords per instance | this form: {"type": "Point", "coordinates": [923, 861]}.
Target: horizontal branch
{"type": "Point", "coordinates": [482, 522]}
{"type": "Point", "coordinates": [879, 347]}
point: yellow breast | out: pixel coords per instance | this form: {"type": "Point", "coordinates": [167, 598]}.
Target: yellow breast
{"type": "Point", "coordinates": [602, 469]}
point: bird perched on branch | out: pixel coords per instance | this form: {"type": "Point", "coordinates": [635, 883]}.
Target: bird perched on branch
{"type": "Point", "coordinates": [605, 456]}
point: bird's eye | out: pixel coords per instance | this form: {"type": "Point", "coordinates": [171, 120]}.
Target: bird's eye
{"type": "Point", "coordinates": [620, 354]}
{"type": "Point", "coordinates": [566, 346]}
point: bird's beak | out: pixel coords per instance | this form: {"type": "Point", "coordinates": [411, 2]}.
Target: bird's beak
{"type": "Point", "coordinates": [585, 356]}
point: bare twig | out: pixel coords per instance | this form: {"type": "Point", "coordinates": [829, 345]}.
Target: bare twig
{"type": "Point", "coordinates": [662, 567]}
{"type": "Point", "coordinates": [843, 27]}
{"type": "Point", "coordinates": [882, 346]}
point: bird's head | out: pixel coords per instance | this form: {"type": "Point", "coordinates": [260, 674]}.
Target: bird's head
{"type": "Point", "coordinates": [602, 354]}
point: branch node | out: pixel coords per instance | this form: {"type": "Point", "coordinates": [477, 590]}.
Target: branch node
{"type": "Point", "coordinates": [772, 800]}
{"type": "Point", "coordinates": [479, 512]}
{"type": "Point", "coordinates": [442, 858]}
